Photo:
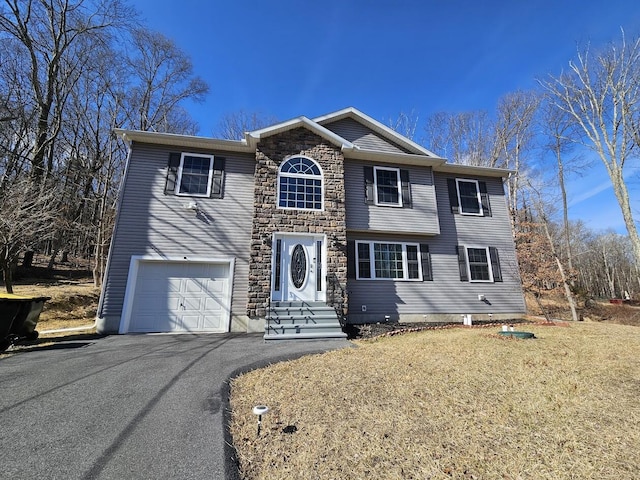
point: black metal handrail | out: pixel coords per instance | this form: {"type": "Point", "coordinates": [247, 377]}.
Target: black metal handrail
{"type": "Point", "coordinates": [336, 297]}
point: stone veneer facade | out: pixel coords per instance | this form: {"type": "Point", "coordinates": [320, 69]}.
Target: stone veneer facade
{"type": "Point", "coordinates": [268, 218]}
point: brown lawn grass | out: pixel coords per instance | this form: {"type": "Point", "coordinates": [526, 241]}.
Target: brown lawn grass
{"type": "Point", "coordinates": [457, 403]}
{"type": "Point", "coordinates": [72, 304]}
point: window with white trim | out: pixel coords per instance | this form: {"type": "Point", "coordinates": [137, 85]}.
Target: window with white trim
{"type": "Point", "coordinates": [388, 261]}
{"type": "Point", "coordinates": [194, 175]}
{"type": "Point", "coordinates": [478, 259]}
{"type": "Point", "coordinates": [479, 264]}
{"type": "Point", "coordinates": [300, 184]}
{"type": "Point", "coordinates": [387, 186]}
{"type": "Point", "coordinates": [469, 197]}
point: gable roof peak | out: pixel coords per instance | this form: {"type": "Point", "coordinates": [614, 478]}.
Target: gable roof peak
{"type": "Point", "coordinates": [378, 127]}
{"type": "Point", "coordinates": [302, 121]}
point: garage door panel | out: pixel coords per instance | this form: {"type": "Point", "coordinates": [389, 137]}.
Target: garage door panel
{"type": "Point", "coordinates": [192, 305]}
{"type": "Point", "coordinates": [174, 284]}
{"type": "Point", "coordinates": [195, 285]}
{"type": "Point", "coordinates": [144, 323]}
{"type": "Point", "coordinates": [191, 323]}
{"type": "Point", "coordinates": [212, 322]}
{"type": "Point", "coordinates": [216, 286]}
{"type": "Point", "coordinates": [179, 296]}
{"type": "Point", "coordinates": [212, 304]}
{"type": "Point", "coordinates": [172, 303]}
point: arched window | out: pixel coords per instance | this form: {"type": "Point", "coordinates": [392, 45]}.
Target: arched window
{"type": "Point", "coordinates": [300, 184]}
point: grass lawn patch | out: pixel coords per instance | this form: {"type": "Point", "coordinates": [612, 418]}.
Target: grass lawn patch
{"type": "Point", "coordinates": [73, 304]}
{"type": "Point", "coordinates": [442, 404]}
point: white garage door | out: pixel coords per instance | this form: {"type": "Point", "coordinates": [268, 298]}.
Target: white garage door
{"type": "Point", "coordinates": [181, 297]}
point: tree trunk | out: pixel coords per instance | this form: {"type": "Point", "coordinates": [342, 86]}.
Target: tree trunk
{"type": "Point", "coordinates": [565, 209]}
{"type": "Point", "coordinates": [37, 160]}
{"type": "Point", "coordinates": [563, 275]}
{"type": "Point", "coordinates": [52, 260]}
{"type": "Point", "coordinates": [27, 260]}
{"type": "Point", "coordinates": [7, 276]}
{"type": "Point", "coordinates": [620, 189]}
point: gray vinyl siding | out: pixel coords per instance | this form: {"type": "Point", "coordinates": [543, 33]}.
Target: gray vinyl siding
{"type": "Point", "coordinates": [363, 137]}
{"type": "Point", "coordinates": [152, 223]}
{"type": "Point", "coordinates": [421, 219]}
{"type": "Point", "coordinates": [446, 294]}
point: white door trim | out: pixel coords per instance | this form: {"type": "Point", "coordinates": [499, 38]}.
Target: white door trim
{"type": "Point", "coordinates": [132, 277]}
{"type": "Point", "coordinates": [320, 294]}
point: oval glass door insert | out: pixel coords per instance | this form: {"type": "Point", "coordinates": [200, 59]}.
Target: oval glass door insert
{"type": "Point", "coordinates": [298, 266]}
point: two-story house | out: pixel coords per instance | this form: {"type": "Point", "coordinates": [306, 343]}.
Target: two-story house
{"type": "Point", "coordinates": [301, 225]}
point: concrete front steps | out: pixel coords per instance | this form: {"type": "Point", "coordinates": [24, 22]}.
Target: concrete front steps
{"type": "Point", "coordinates": [302, 320]}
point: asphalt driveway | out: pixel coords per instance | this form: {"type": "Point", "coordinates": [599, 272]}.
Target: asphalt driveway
{"type": "Point", "coordinates": [127, 407]}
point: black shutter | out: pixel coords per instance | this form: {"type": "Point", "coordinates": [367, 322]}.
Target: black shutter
{"type": "Point", "coordinates": [495, 264]}
{"type": "Point", "coordinates": [351, 259]}
{"type": "Point", "coordinates": [462, 263]}
{"type": "Point", "coordinates": [427, 273]}
{"type": "Point", "coordinates": [453, 195]}
{"type": "Point", "coordinates": [217, 177]}
{"type": "Point", "coordinates": [406, 188]}
{"type": "Point", "coordinates": [368, 185]}
{"type": "Point", "coordinates": [484, 198]}
{"type": "Point", "coordinates": [172, 174]}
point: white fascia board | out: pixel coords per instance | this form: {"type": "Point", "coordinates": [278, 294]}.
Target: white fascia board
{"type": "Point", "coordinates": [395, 158]}
{"type": "Point", "coordinates": [189, 141]}
{"type": "Point", "coordinates": [305, 123]}
{"type": "Point", "coordinates": [376, 126]}
{"type": "Point", "coordinates": [458, 169]}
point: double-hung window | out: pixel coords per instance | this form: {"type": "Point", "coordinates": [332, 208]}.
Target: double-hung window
{"type": "Point", "coordinates": [392, 261]}
{"type": "Point", "coordinates": [300, 184]}
{"type": "Point", "coordinates": [195, 175]}
{"type": "Point", "coordinates": [387, 187]}
{"type": "Point", "coordinates": [479, 264]}
{"type": "Point", "coordinates": [469, 197]}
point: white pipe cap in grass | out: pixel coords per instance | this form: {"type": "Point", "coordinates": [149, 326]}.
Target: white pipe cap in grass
{"type": "Point", "coordinates": [260, 409]}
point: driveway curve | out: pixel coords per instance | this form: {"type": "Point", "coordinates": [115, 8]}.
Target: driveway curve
{"type": "Point", "coordinates": [134, 406]}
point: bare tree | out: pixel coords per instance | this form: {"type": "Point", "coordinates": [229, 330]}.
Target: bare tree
{"type": "Point", "coordinates": [601, 94]}
{"type": "Point", "coordinates": [538, 271]}
{"type": "Point", "coordinates": [466, 137]}
{"type": "Point", "coordinates": [405, 124]}
{"type": "Point", "coordinates": [559, 130]}
{"type": "Point", "coordinates": [234, 125]}
{"type": "Point", "coordinates": [53, 36]}
{"type": "Point", "coordinates": [514, 139]}
{"type": "Point", "coordinates": [161, 77]}
{"type": "Point", "coordinates": [542, 207]}
{"type": "Point", "coordinates": [25, 220]}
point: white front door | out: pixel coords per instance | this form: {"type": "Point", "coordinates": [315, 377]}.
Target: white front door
{"type": "Point", "coordinates": [298, 268]}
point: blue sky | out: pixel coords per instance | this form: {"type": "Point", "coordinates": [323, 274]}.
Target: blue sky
{"type": "Point", "coordinates": [290, 58]}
